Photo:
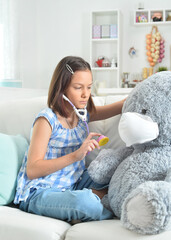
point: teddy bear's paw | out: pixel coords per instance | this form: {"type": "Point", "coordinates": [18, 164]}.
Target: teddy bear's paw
{"type": "Point", "coordinates": [101, 168]}
{"type": "Point", "coordinates": [140, 211]}
{"type": "Point", "coordinates": [147, 210]}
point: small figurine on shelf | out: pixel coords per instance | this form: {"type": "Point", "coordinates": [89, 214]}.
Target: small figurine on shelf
{"type": "Point", "coordinates": [168, 16]}
{"type": "Point", "coordinates": [106, 63]}
{"type": "Point", "coordinates": [114, 62]}
{"type": "Point", "coordinates": [103, 62]}
{"type": "Point", "coordinates": [125, 80]}
{"type": "Point", "coordinates": [157, 17]}
{"type": "Point", "coordinates": [140, 5]}
{"type": "Point", "coordinates": [99, 61]}
{"type": "Point", "coordinates": [142, 18]}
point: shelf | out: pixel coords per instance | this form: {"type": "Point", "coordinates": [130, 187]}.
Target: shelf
{"type": "Point", "coordinates": [104, 39]}
{"type": "Point", "coordinates": [152, 23]}
{"type": "Point", "coordinates": [104, 68]}
{"type": "Point", "coordinates": [105, 43]}
{"type": "Point", "coordinates": [146, 16]}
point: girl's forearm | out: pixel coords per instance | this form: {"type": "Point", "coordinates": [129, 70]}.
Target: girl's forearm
{"type": "Point", "coordinates": [107, 111]}
{"type": "Point", "coordinates": [115, 108]}
{"type": "Point", "coordinates": [41, 167]}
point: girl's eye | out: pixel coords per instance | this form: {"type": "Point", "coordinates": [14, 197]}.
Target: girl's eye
{"type": "Point", "coordinates": [143, 111]}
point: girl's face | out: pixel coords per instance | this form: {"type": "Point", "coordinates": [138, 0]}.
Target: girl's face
{"type": "Point", "coordinates": [79, 89]}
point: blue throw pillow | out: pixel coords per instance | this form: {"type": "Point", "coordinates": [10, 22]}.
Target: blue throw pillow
{"type": "Point", "coordinates": [12, 149]}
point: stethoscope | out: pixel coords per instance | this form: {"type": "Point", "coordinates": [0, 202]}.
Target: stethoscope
{"type": "Point", "coordinates": [80, 112]}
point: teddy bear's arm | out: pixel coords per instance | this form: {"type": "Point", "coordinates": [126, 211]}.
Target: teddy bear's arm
{"type": "Point", "coordinates": [102, 168]}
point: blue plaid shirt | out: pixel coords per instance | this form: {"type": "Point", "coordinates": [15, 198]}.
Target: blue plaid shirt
{"type": "Point", "coordinates": [62, 141]}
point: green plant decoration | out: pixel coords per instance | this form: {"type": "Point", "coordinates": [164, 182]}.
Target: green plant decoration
{"type": "Point", "coordinates": [160, 69]}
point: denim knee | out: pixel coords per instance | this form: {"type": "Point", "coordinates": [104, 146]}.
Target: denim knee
{"type": "Point", "coordinates": [87, 204]}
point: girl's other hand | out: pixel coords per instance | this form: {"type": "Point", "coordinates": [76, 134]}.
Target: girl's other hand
{"type": "Point", "coordinates": [88, 145]}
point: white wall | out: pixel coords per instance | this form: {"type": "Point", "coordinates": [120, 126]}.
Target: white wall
{"type": "Point", "coordinates": [52, 29]}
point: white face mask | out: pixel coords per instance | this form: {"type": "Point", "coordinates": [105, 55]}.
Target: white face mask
{"type": "Point", "coordinates": [135, 128]}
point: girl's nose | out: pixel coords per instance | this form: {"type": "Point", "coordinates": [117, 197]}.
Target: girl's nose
{"type": "Point", "coordinates": [85, 93]}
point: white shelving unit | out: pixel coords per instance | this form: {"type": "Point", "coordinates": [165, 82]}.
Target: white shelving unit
{"type": "Point", "coordinates": [107, 47]}
{"type": "Point", "coordinates": [147, 14]}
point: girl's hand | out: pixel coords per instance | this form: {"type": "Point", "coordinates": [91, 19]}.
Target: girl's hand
{"type": "Point", "coordinates": [88, 145]}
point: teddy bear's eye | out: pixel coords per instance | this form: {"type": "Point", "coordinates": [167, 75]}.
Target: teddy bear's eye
{"type": "Point", "coordinates": [143, 111]}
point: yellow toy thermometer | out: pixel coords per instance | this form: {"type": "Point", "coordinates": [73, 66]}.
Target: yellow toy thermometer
{"type": "Point", "coordinates": [102, 140]}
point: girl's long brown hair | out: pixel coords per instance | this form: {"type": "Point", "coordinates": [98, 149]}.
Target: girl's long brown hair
{"type": "Point", "coordinates": [60, 82]}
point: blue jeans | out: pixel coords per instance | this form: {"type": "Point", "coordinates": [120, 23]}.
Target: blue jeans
{"type": "Point", "coordinates": [76, 203]}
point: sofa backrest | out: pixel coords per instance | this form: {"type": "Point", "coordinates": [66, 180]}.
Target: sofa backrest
{"type": "Point", "coordinates": [108, 127]}
{"type": "Point", "coordinates": [16, 117]}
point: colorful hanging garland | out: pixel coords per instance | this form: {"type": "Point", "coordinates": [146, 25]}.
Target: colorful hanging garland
{"type": "Point", "coordinates": [155, 47]}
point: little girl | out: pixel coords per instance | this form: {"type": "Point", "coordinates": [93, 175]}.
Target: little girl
{"type": "Point", "coordinates": [53, 180]}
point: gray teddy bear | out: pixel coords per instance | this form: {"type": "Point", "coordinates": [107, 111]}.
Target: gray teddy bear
{"type": "Point", "coordinates": [139, 175]}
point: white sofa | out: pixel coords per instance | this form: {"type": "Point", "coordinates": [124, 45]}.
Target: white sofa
{"type": "Point", "coordinates": [16, 118]}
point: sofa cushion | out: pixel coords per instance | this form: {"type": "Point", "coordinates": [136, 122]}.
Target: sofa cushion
{"type": "Point", "coordinates": [12, 149]}
{"type": "Point", "coordinates": [17, 116]}
{"type": "Point", "coordinates": [16, 224]}
{"type": "Point", "coordinates": [109, 230]}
